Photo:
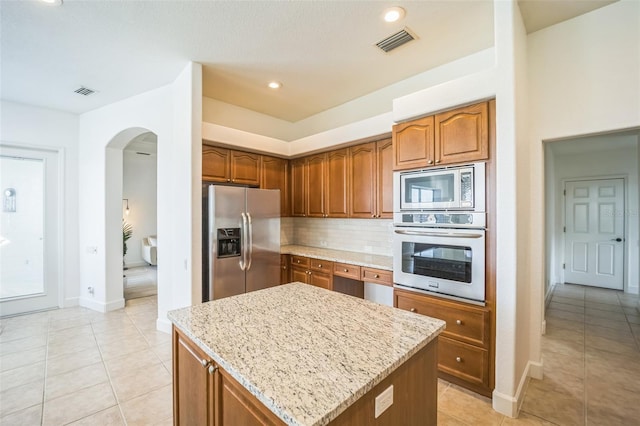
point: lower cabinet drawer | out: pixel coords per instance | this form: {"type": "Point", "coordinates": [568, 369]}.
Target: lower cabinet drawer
{"type": "Point", "coordinates": [346, 270]}
{"type": "Point", "coordinates": [465, 323]}
{"type": "Point", "coordinates": [467, 362]}
{"type": "Point", "coordinates": [378, 276]}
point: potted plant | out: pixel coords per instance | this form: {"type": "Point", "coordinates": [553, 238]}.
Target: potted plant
{"type": "Point", "coordinates": [127, 231]}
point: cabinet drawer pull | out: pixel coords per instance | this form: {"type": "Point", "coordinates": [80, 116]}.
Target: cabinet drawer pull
{"type": "Point", "coordinates": [376, 276]}
{"type": "Point", "coordinates": [458, 359]}
{"type": "Point", "coordinates": [297, 261]}
{"type": "Point", "coordinates": [346, 270]}
{"type": "Point", "coordinates": [319, 265]}
{"type": "Point", "coordinates": [413, 309]}
{"type": "Point", "coordinates": [459, 322]}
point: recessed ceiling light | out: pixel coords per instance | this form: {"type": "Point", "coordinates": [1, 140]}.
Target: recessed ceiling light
{"type": "Point", "coordinates": [53, 2]}
{"type": "Point", "coordinates": [275, 84]}
{"type": "Point", "coordinates": [393, 14]}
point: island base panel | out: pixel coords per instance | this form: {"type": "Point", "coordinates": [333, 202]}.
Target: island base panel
{"type": "Point", "coordinates": [415, 395]}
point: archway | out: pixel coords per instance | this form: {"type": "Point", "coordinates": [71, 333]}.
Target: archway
{"type": "Point", "coordinates": [113, 210]}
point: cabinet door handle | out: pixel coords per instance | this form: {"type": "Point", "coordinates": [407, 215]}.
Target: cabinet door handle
{"type": "Point", "coordinates": [413, 309]}
{"type": "Point", "coordinates": [458, 359]}
{"type": "Point", "coordinates": [430, 162]}
{"type": "Point", "coordinates": [204, 363]}
{"type": "Point", "coordinates": [437, 161]}
{"type": "Point", "coordinates": [212, 369]}
{"type": "Point", "coordinates": [228, 180]}
{"type": "Point", "coordinates": [459, 322]}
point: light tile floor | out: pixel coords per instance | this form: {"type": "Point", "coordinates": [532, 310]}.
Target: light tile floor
{"type": "Point", "coordinates": [591, 356]}
{"type": "Point", "coordinates": [76, 366]}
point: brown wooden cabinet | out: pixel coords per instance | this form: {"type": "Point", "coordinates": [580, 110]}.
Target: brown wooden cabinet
{"type": "Point", "coordinates": [193, 383]}
{"type": "Point", "coordinates": [465, 344]}
{"type": "Point", "coordinates": [229, 166]}
{"type": "Point", "coordinates": [285, 274]}
{"type": "Point", "coordinates": [312, 271]}
{"type": "Point", "coordinates": [319, 185]}
{"type": "Point", "coordinates": [315, 169]}
{"type": "Point", "coordinates": [298, 187]}
{"type": "Point", "coordinates": [457, 136]}
{"type": "Point", "coordinates": [275, 175]}
{"type": "Point", "coordinates": [238, 407]}
{"type": "Point", "coordinates": [413, 144]}
{"type": "Point", "coordinates": [204, 394]}
{"type": "Point", "coordinates": [462, 135]}
{"type": "Point", "coordinates": [384, 178]}
{"type": "Point", "coordinates": [216, 164]}
{"type": "Point", "coordinates": [337, 183]}
{"type": "Point", "coordinates": [371, 180]}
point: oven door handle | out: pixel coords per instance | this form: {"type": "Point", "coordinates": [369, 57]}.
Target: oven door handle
{"type": "Point", "coordinates": [436, 234]}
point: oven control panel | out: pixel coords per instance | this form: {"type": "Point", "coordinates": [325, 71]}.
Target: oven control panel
{"type": "Point", "coordinates": [444, 219]}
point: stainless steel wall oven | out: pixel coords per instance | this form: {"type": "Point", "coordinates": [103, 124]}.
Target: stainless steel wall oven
{"type": "Point", "coordinates": [435, 250]}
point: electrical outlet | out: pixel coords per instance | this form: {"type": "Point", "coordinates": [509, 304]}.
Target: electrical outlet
{"type": "Point", "coordinates": [90, 290]}
{"type": "Point", "coordinates": [384, 401]}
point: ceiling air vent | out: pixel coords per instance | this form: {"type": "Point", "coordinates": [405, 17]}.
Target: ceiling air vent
{"type": "Point", "coordinates": [395, 40]}
{"type": "Point", "coordinates": [85, 91]}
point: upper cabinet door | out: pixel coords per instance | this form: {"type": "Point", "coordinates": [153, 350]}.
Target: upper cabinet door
{"type": "Point", "coordinates": [298, 187]}
{"type": "Point", "coordinates": [462, 135]}
{"type": "Point", "coordinates": [216, 164]}
{"type": "Point", "coordinates": [363, 180]}
{"type": "Point", "coordinates": [275, 173]}
{"type": "Point", "coordinates": [315, 185]}
{"type": "Point", "coordinates": [384, 176]}
{"type": "Point", "coordinates": [337, 184]}
{"type": "Point", "coordinates": [245, 168]}
{"type": "Point", "coordinates": [413, 144]}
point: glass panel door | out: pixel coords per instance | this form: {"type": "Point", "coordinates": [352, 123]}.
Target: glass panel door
{"type": "Point", "coordinates": [28, 281]}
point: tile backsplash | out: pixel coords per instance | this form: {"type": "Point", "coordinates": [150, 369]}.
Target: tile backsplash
{"type": "Point", "coordinates": [360, 235]}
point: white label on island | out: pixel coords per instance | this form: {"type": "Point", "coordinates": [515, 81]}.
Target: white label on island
{"type": "Point", "coordinates": [384, 401]}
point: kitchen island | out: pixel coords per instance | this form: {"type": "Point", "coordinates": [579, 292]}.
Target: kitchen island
{"type": "Point", "coordinates": [300, 355]}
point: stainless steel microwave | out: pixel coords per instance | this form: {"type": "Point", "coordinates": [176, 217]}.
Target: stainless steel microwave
{"type": "Point", "coordinates": [448, 188]}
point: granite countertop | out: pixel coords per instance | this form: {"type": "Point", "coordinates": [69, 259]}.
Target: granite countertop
{"type": "Point", "coordinates": [351, 257]}
{"type": "Point", "coordinates": [306, 353]}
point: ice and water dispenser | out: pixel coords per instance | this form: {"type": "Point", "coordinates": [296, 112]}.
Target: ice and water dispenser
{"type": "Point", "coordinates": [228, 242]}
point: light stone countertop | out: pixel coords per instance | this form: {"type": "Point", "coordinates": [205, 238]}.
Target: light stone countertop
{"type": "Point", "coordinates": [351, 257]}
{"type": "Point", "coordinates": [306, 353]}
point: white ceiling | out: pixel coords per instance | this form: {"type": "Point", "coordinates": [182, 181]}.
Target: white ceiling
{"type": "Point", "coordinates": [322, 51]}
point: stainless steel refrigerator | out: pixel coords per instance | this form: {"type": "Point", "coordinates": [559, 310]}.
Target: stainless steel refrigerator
{"type": "Point", "coordinates": [241, 247]}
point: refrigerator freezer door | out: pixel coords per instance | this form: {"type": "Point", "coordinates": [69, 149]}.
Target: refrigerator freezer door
{"type": "Point", "coordinates": [263, 208]}
{"type": "Point", "coordinates": [226, 205]}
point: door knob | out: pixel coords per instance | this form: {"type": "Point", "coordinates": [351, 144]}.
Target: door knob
{"type": "Point", "coordinates": [617, 239]}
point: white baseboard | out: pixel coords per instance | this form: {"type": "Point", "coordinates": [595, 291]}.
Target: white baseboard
{"type": "Point", "coordinates": [510, 405]}
{"type": "Point", "coordinates": [163, 324]}
{"type": "Point", "coordinates": [136, 264]}
{"type": "Point", "coordinates": [547, 297]}
{"type": "Point", "coordinates": [70, 302]}
{"type": "Point", "coordinates": [101, 306]}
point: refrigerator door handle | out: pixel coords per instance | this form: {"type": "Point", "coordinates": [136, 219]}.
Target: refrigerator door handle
{"type": "Point", "coordinates": [243, 249]}
{"type": "Point", "coordinates": [250, 238]}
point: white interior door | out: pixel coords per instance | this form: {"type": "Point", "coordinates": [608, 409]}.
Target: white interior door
{"type": "Point", "coordinates": [594, 239]}
{"type": "Point", "coordinates": [29, 230]}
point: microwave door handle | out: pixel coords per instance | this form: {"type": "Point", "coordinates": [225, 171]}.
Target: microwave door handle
{"type": "Point", "coordinates": [436, 234]}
